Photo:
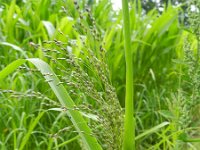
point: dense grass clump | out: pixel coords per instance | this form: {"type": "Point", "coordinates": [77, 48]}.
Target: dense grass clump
{"type": "Point", "coordinates": [66, 82]}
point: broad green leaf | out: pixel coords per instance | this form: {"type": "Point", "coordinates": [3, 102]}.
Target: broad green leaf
{"type": "Point", "coordinates": [11, 67]}
{"type": "Point", "coordinates": [49, 27]}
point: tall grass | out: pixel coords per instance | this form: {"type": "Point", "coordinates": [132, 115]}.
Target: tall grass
{"type": "Point", "coordinates": [83, 44]}
{"type": "Point", "coordinates": [129, 124]}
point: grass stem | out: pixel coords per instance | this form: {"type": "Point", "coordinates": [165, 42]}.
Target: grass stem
{"type": "Point", "coordinates": [129, 127]}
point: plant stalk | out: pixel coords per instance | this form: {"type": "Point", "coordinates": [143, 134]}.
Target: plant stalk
{"type": "Point", "coordinates": [129, 125]}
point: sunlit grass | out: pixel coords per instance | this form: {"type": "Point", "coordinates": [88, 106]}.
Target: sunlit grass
{"type": "Point", "coordinates": [83, 44]}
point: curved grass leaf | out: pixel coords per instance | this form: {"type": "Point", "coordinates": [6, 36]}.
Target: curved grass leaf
{"type": "Point", "coordinates": [152, 130]}
{"type": "Point", "coordinates": [78, 121]}
{"type": "Point", "coordinates": [15, 47]}
{"type": "Point", "coordinates": [67, 142]}
{"type": "Point", "coordinates": [10, 68]}
{"type": "Point", "coordinates": [32, 126]}
{"type": "Point", "coordinates": [49, 27]}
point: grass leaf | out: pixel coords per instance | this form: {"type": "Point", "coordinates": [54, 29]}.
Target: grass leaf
{"type": "Point", "coordinates": [80, 124]}
{"type": "Point", "coordinates": [152, 130]}
{"type": "Point", "coordinates": [11, 67]}
{"type": "Point", "coordinates": [49, 27]}
{"type": "Point", "coordinates": [32, 126]}
{"type": "Point", "coordinates": [15, 47]}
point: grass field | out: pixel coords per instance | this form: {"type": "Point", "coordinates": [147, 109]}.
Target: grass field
{"type": "Point", "coordinates": [81, 75]}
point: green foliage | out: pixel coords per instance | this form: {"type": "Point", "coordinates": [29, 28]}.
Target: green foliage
{"type": "Point", "coordinates": [129, 121]}
{"type": "Point", "coordinates": [83, 44]}
{"type": "Point", "coordinates": [64, 98]}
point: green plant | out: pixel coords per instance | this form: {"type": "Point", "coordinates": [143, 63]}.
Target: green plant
{"type": "Point", "coordinates": [129, 124]}
{"type": "Point", "coordinates": [60, 92]}
{"type": "Point", "coordinates": [109, 124]}
{"type": "Point", "coordinates": [84, 46]}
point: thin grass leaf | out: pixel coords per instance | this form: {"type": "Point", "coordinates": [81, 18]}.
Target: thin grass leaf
{"type": "Point", "coordinates": [80, 124]}
{"type": "Point", "coordinates": [152, 130]}
{"type": "Point", "coordinates": [184, 137]}
{"type": "Point", "coordinates": [32, 126]}
{"type": "Point", "coordinates": [67, 142]}
{"type": "Point", "coordinates": [15, 47]}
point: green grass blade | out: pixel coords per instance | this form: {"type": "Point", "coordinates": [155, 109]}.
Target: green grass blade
{"type": "Point", "coordinates": [10, 68]}
{"type": "Point", "coordinates": [129, 125]}
{"type": "Point", "coordinates": [32, 126]}
{"type": "Point", "coordinates": [152, 130]}
{"type": "Point", "coordinates": [49, 27]}
{"type": "Point", "coordinates": [15, 47]}
{"type": "Point", "coordinates": [67, 142]}
{"type": "Point", "coordinates": [184, 137]}
{"type": "Point", "coordinates": [78, 121]}
{"type": "Point", "coordinates": [64, 98]}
